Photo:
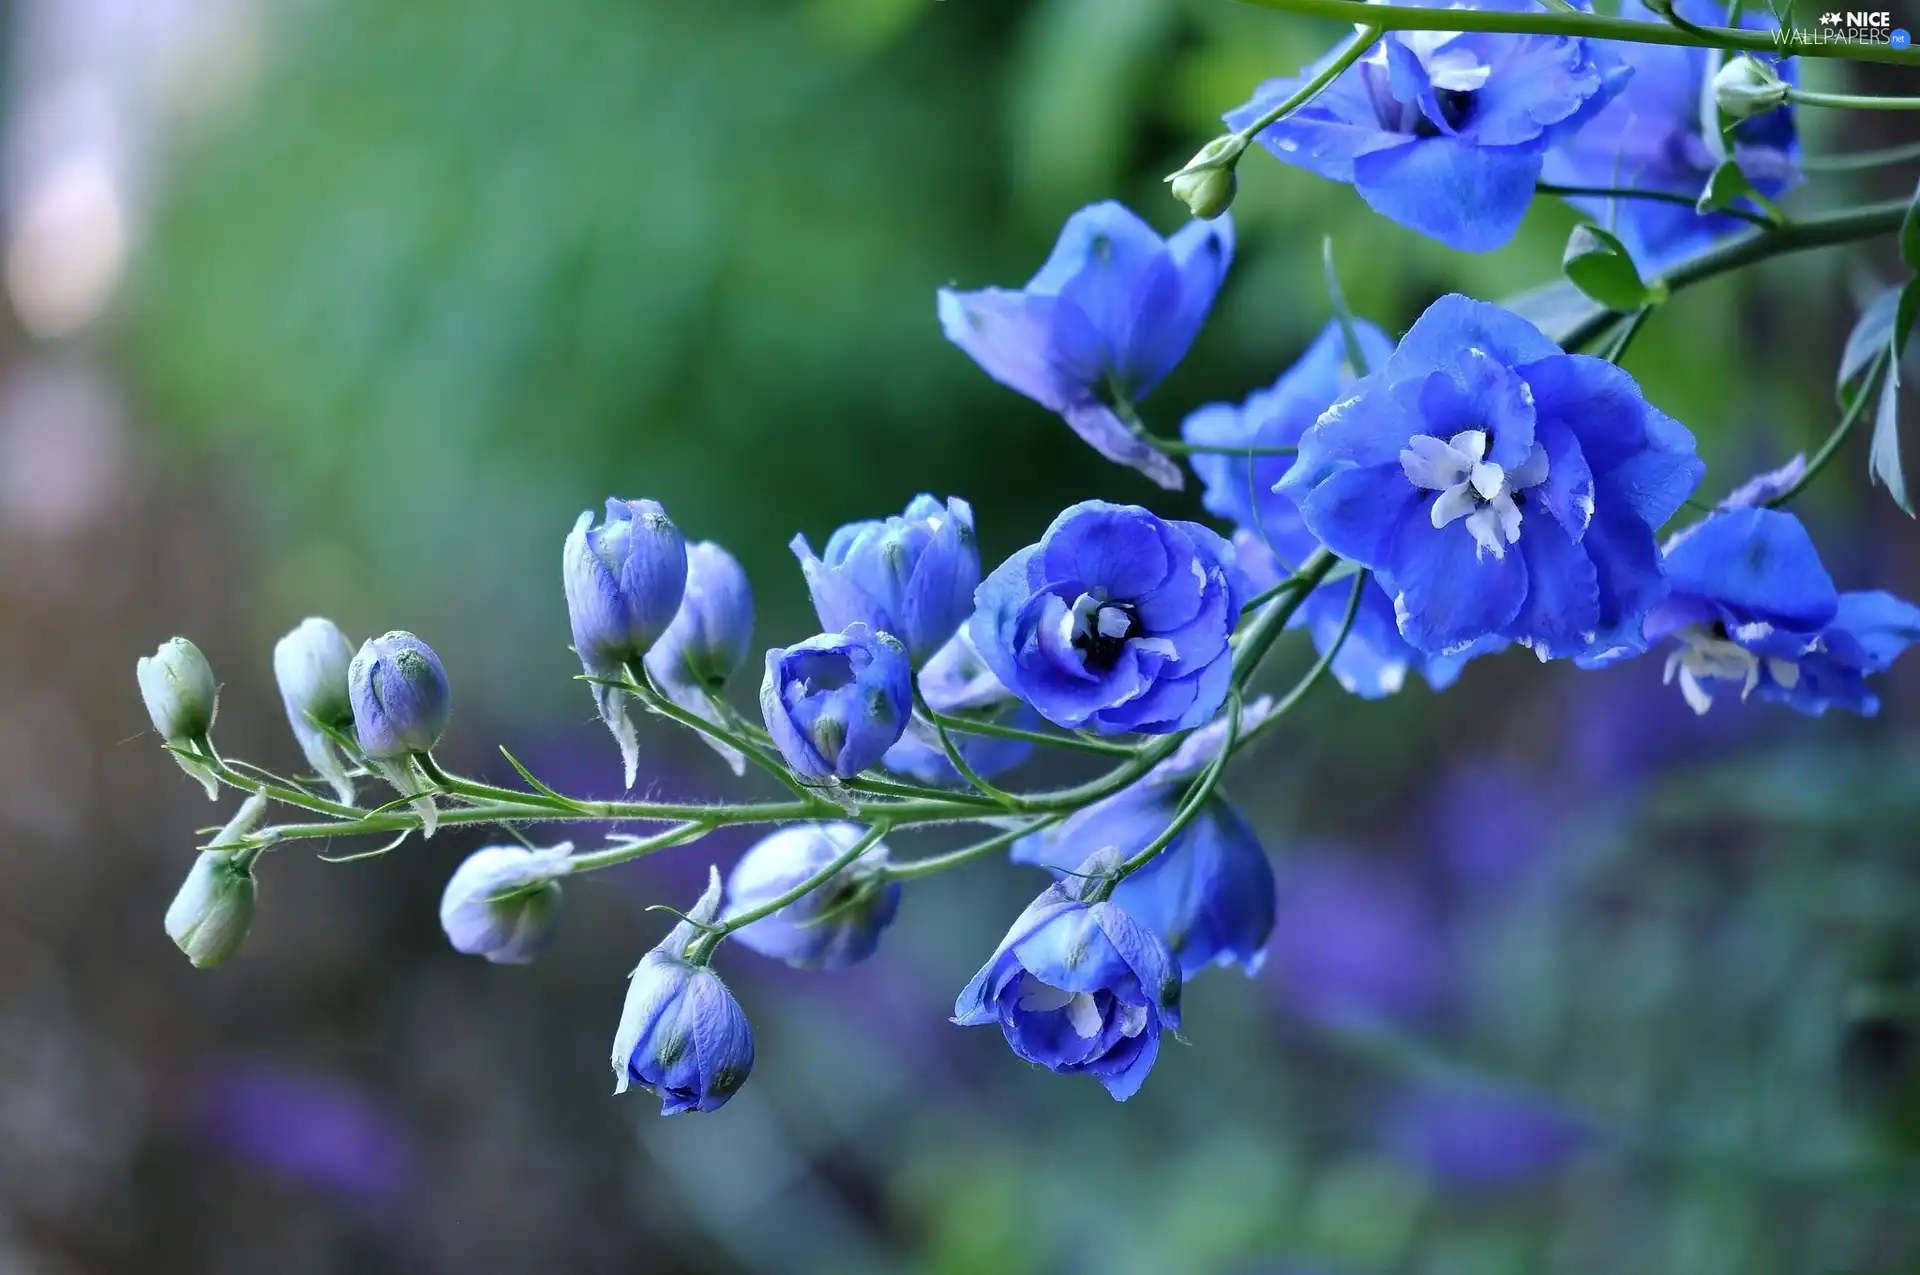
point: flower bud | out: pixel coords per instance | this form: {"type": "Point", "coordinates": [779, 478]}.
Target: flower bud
{"type": "Point", "coordinates": [1208, 182]}
{"type": "Point", "coordinates": [177, 683]}
{"type": "Point", "coordinates": [708, 640]}
{"type": "Point", "coordinates": [503, 903]}
{"type": "Point", "coordinates": [310, 665]}
{"type": "Point", "coordinates": [1744, 88]}
{"type": "Point", "coordinates": [912, 576]}
{"type": "Point", "coordinates": [834, 926]}
{"type": "Point", "coordinates": [400, 696]}
{"type": "Point", "coordinates": [209, 916]}
{"type": "Point", "coordinates": [835, 703]}
{"type": "Point", "coordinates": [682, 1036]}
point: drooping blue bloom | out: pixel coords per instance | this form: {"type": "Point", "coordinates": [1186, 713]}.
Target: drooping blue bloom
{"type": "Point", "coordinates": [682, 1036]}
{"type": "Point", "coordinates": [1111, 313]}
{"type": "Point", "coordinates": [503, 902]}
{"type": "Point", "coordinates": [624, 582]}
{"type": "Point", "coordinates": [835, 703]}
{"type": "Point", "coordinates": [708, 640]}
{"type": "Point", "coordinates": [310, 666]}
{"type": "Point", "coordinates": [1116, 621]}
{"type": "Point", "coordinates": [1650, 138]}
{"type": "Point", "coordinates": [912, 576]}
{"type": "Point", "coordinates": [1209, 896]}
{"type": "Point", "coordinates": [957, 682]}
{"type": "Point", "coordinates": [830, 928]}
{"type": "Point", "coordinates": [1752, 604]}
{"type": "Point", "coordinates": [1442, 131]}
{"type": "Point", "coordinates": [400, 696]}
{"type": "Point", "coordinates": [1498, 487]}
{"type": "Point", "coordinates": [1080, 988]}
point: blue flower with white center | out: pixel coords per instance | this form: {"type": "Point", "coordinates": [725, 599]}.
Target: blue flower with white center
{"type": "Point", "coordinates": [1116, 621]}
{"type": "Point", "coordinates": [830, 928]}
{"type": "Point", "coordinates": [1443, 131]}
{"type": "Point", "coordinates": [1498, 487]}
{"type": "Point", "coordinates": [682, 1037]}
{"type": "Point", "coordinates": [503, 902]}
{"type": "Point", "coordinates": [957, 682]}
{"type": "Point", "coordinates": [1209, 895]}
{"type": "Point", "coordinates": [1113, 311]}
{"type": "Point", "coordinates": [912, 576]}
{"type": "Point", "coordinates": [1079, 987]}
{"type": "Point", "coordinates": [834, 704]}
{"type": "Point", "coordinates": [1650, 138]}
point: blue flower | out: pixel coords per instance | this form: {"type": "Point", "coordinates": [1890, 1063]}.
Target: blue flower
{"type": "Point", "coordinates": [1751, 603]}
{"type": "Point", "coordinates": [1117, 621]}
{"type": "Point", "coordinates": [310, 666]}
{"type": "Point", "coordinates": [835, 703]}
{"type": "Point", "coordinates": [1111, 313]}
{"type": "Point", "coordinates": [912, 576]}
{"type": "Point", "coordinates": [1498, 487]}
{"type": "Point", "coordinates": [682, 1036]}
{"type": "Point", "coordinates": [1443, 132]}
{"type": "Point", "coordinates": [624, 582]}
{"type": "Point", "coordinates": [708, 640]}
{"type": "Point", "coordinates": [957, 681]}
{"type": "Point", "coordinates": [503, 902]}
{"type": "Point", "coordinates": [1649, 138]}
{"type": "Point", "coordinates": [1209, 895]}
{"type": "Point", "coordinates": [400, 696]}
{"type": "Point", "coordinates": [836, 925]}
{"type": "Point", "coordinates": [1079, 987]}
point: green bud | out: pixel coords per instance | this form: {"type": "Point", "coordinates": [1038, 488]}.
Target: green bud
{"type": "Point", "coordinates": [1208, 182]}
{"type": "Point", "coordinates": [210, 915]}
{"type": "Point", "coordinates": [177, 683]}
{"type": "Point", "coordinates": [1744, 88]}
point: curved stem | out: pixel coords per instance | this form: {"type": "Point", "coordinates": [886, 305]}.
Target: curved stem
{"type": "Point", "coordinates": [1629, 329]}
{"type": "Point", "coordinates": [1203, 788]}
{"type": "Point", "coordinates": [913, 869]}
{"type": "Point", "coordinates": [1392, 17]}
{"type": "Point", "coordinates": [1320, 666]}
{"type": "Point", "coordinates": [1363, 39]}
{"type": "Point", "coordinates": [639, 847]}
{"type": "Point", "coordinates": [640, 685]}
{"type": "Point", "coordinates": [1857, 160]}
{"type": "Point", "coordinates": [1260, 635]}
{"type": "Point", "coordinates": [1000, 730]}
{"type": "Point", "coordinates": [1852, 101]}
{"type": "Point", "coordinates": [1856, 411]}
{"type": "Point", "coordinates": [1628, 192]}
{"type": "Point", "coordinates": [701, 949]}
{"type": "Point", "coordinates": [958, 760]}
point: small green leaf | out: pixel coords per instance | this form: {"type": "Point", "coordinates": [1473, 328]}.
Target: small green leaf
{"type": "Point", "coordinates": [1727, 186]}
{"type": "Point", "coordinates": [1870, 335]}
{"type": "Point", "coordinates": [1349, 333]}
{"type": "Point", "coordinates": [1599, 266]}
{"type": "Point", "coordinates": [1883, 458]}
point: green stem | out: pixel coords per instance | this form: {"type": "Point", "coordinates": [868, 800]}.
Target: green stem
{"type": "Point", "coordinates": [639, 847]}
{"type": "Point", "coordinates": [203, 752]}
{"type": "Point", "coordinates": [1260, 635]}
{"type": "Point", "coordinates": [1000, 730]}
{"type": "Point", "coordinates": [1854, 162]}
{"type": "Point", "coordinates": [1363, 39]}
{"type": "Point", "coordinates": [1629, 329]}
{"type": "Point", "coordinates": [1856, 411]}
{"type": "Point", "coordinates": [1656, 196]}
{"type": "Point", "coordinates": [640, 686]}
{"type": "Point", "coordinates": [1852, 101]}
{"type": "Point", "coordinates": [914, 869]}
{"type": "Point", "coordinates": [701, 949]}
{"type": "Point", "coordinates": [1197, 796]}
{"type": "Point", "coordinates": [957, 759]}
{"type": "Point", "coordinates": [1391, 17]}
{"type": "Point", "coordinates": [1320, 666]}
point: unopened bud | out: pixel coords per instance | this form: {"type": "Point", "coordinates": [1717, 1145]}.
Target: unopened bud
{"type": "Point", "coordinates": [177, 684]}
{"type": "Point", "coordinates": [1208, 182]}
{"type": "Point", "coordinates": [1745, 88]}
{"type": "Point", "coordinates": [209, 917]}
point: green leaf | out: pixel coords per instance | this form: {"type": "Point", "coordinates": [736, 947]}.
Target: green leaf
{"type": "Point", "coordinates": [1910, 234]}
{"type": "Point", "coordinates": [1883, 458]}
{"type": "Point", "coordinates": [1349, 334]}
{"type": "Point", "coordinates": [1599, 266]}
{"type": "Point", "coordinates": [1870, 335]}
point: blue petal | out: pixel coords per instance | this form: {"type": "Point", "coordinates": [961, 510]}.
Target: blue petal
{"type": "Point", "coordinates": [1327, 135]}
{"type": "Point", "coordinates": [1468, 197]}
{"type": "Point", "coordinates": [1568, 492]}
{"type": "Point", "coordinates": [1120, 548]}
{"type": "Point", "coordinates": [1358, 512]}
{"type": "Point", "coordinates": [1561, 615]}
{"type": "Point", "coordinates": [1758, 563]}
{"type": "Point", "coordinates": [1454, 323]}
{"type": "Point", "coordinates": [1871, 629]}
{"type": "Point", "coordinates": [1200, 253]}
{"type": "Point", "coordinates": [1448, 593]}
{"type": "Point", "coordinates": [1097, 425]}
{"type": "Point", "coordinates": [1626, 564]}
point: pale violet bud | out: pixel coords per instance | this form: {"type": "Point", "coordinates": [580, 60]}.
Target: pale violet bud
{"type": "Point", "coordinates": [400, 696]}
{"type": "Point", "coordinates": [177, 684]}
{"type": "Point", "coordinates": [503, 903]}
{"type": "Point", "coordinates": [624, 582]}
{"type": "Point", "coordinates": [208, 918]}
{"type": "Point", "coordinates": [310, 665]}
{"type": "Point", "coordinates": [708, 640]}
{"type": "Point", "coordinates": [682, 1036]}
{"type": "Point", "coordinates": [1209, 181]}
{"type": "Point", "coordinates": [834, 926]}
{"type": "Point", "coordinates": [1745, 88]}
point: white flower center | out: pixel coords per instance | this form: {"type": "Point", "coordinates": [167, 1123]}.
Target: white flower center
{"type": "Point", "coordinates": [1706, 652]}
{"type": "Point", "coordinates": [1083, 1011]}
{"type": "Point", "coordinates": [1472, 487]}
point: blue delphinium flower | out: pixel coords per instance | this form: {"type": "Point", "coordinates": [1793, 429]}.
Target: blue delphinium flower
{"type": "Point", "coordinates": [624, 582]}
{"type": "Point", "coordinates": [1079, 987]}
{"type": "Point", "coordinates": [1116, 621]}
{"type": "Point", "coordinates": [1752, 604]}
{"type": "Point", "coordinates": [835, 703]}
{"type": "Point", "coordinates": [503, 902]}
{"type": "Point", "coordinates": [1498, 487]}
{"type": "Point", "coordinates": [912, 575]}
{"type": "Point", "coordinates": [1111, 313]}
{"type": "Point", "coordinates": [1650, 138]}
{"type": "Point", "coordinates": [682, 1036]}
{"type": "Point", "coordinates": [1443, 131]}
{"type": "Point", "coordinates": [1209, 895]}
{"type": "Point", "coordinates": [310, 666]}
{"type": "Point", "coordinates": [708, 640]}
{"type": "Point", "coordinates": [400, 696]}
{"type": "Point", "coordinates": [957, 682]}
{"type": "Point", "coordinates": [832, 927]}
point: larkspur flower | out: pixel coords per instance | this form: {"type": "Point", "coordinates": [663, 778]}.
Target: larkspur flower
{"type": "Point", "coordinates": [1116, 621]}
{"type": "Point", "coordinates": [1443, 131]}
{"type": "Point", "coordinates": [1112, 311]}
{"type": "Point", "coordinates": [1498, 487]}
{"type": "Point", "coordinates": [1079, 987]}
{"type": "Point", "coordinates": [912, 575]}
{"type": "Point", "coordinates": [956, 681]}
{"type": "Point", "coordinates": [310, 666]}
{"type": "Point", "coordinates": [1650, 138]}
{"type": "Point", "coordinates": [708, 640]}
{"type": "Point", "coordinates": [1869, 631]}
{"type": "Point", "coordinates": [682, 1036]}
{"type": "Point", "coordinates": [624, 582]}
{"type": "Point", "coordinates": [832, 927]}
{"type": "Point", "coordinates": [834, 704]}
{"type": "Point", "coordinates": [177, 687]}
{"type": "Point", "coordinates": [1209, 895]}
{"type": "Point", "coordinates": [401, 700]}
{"type": "Point", "coordinates": [503, 902]}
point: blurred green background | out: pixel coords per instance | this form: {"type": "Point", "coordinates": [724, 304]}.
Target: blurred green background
{"type": "Point", "coordinates": [348, 308]}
